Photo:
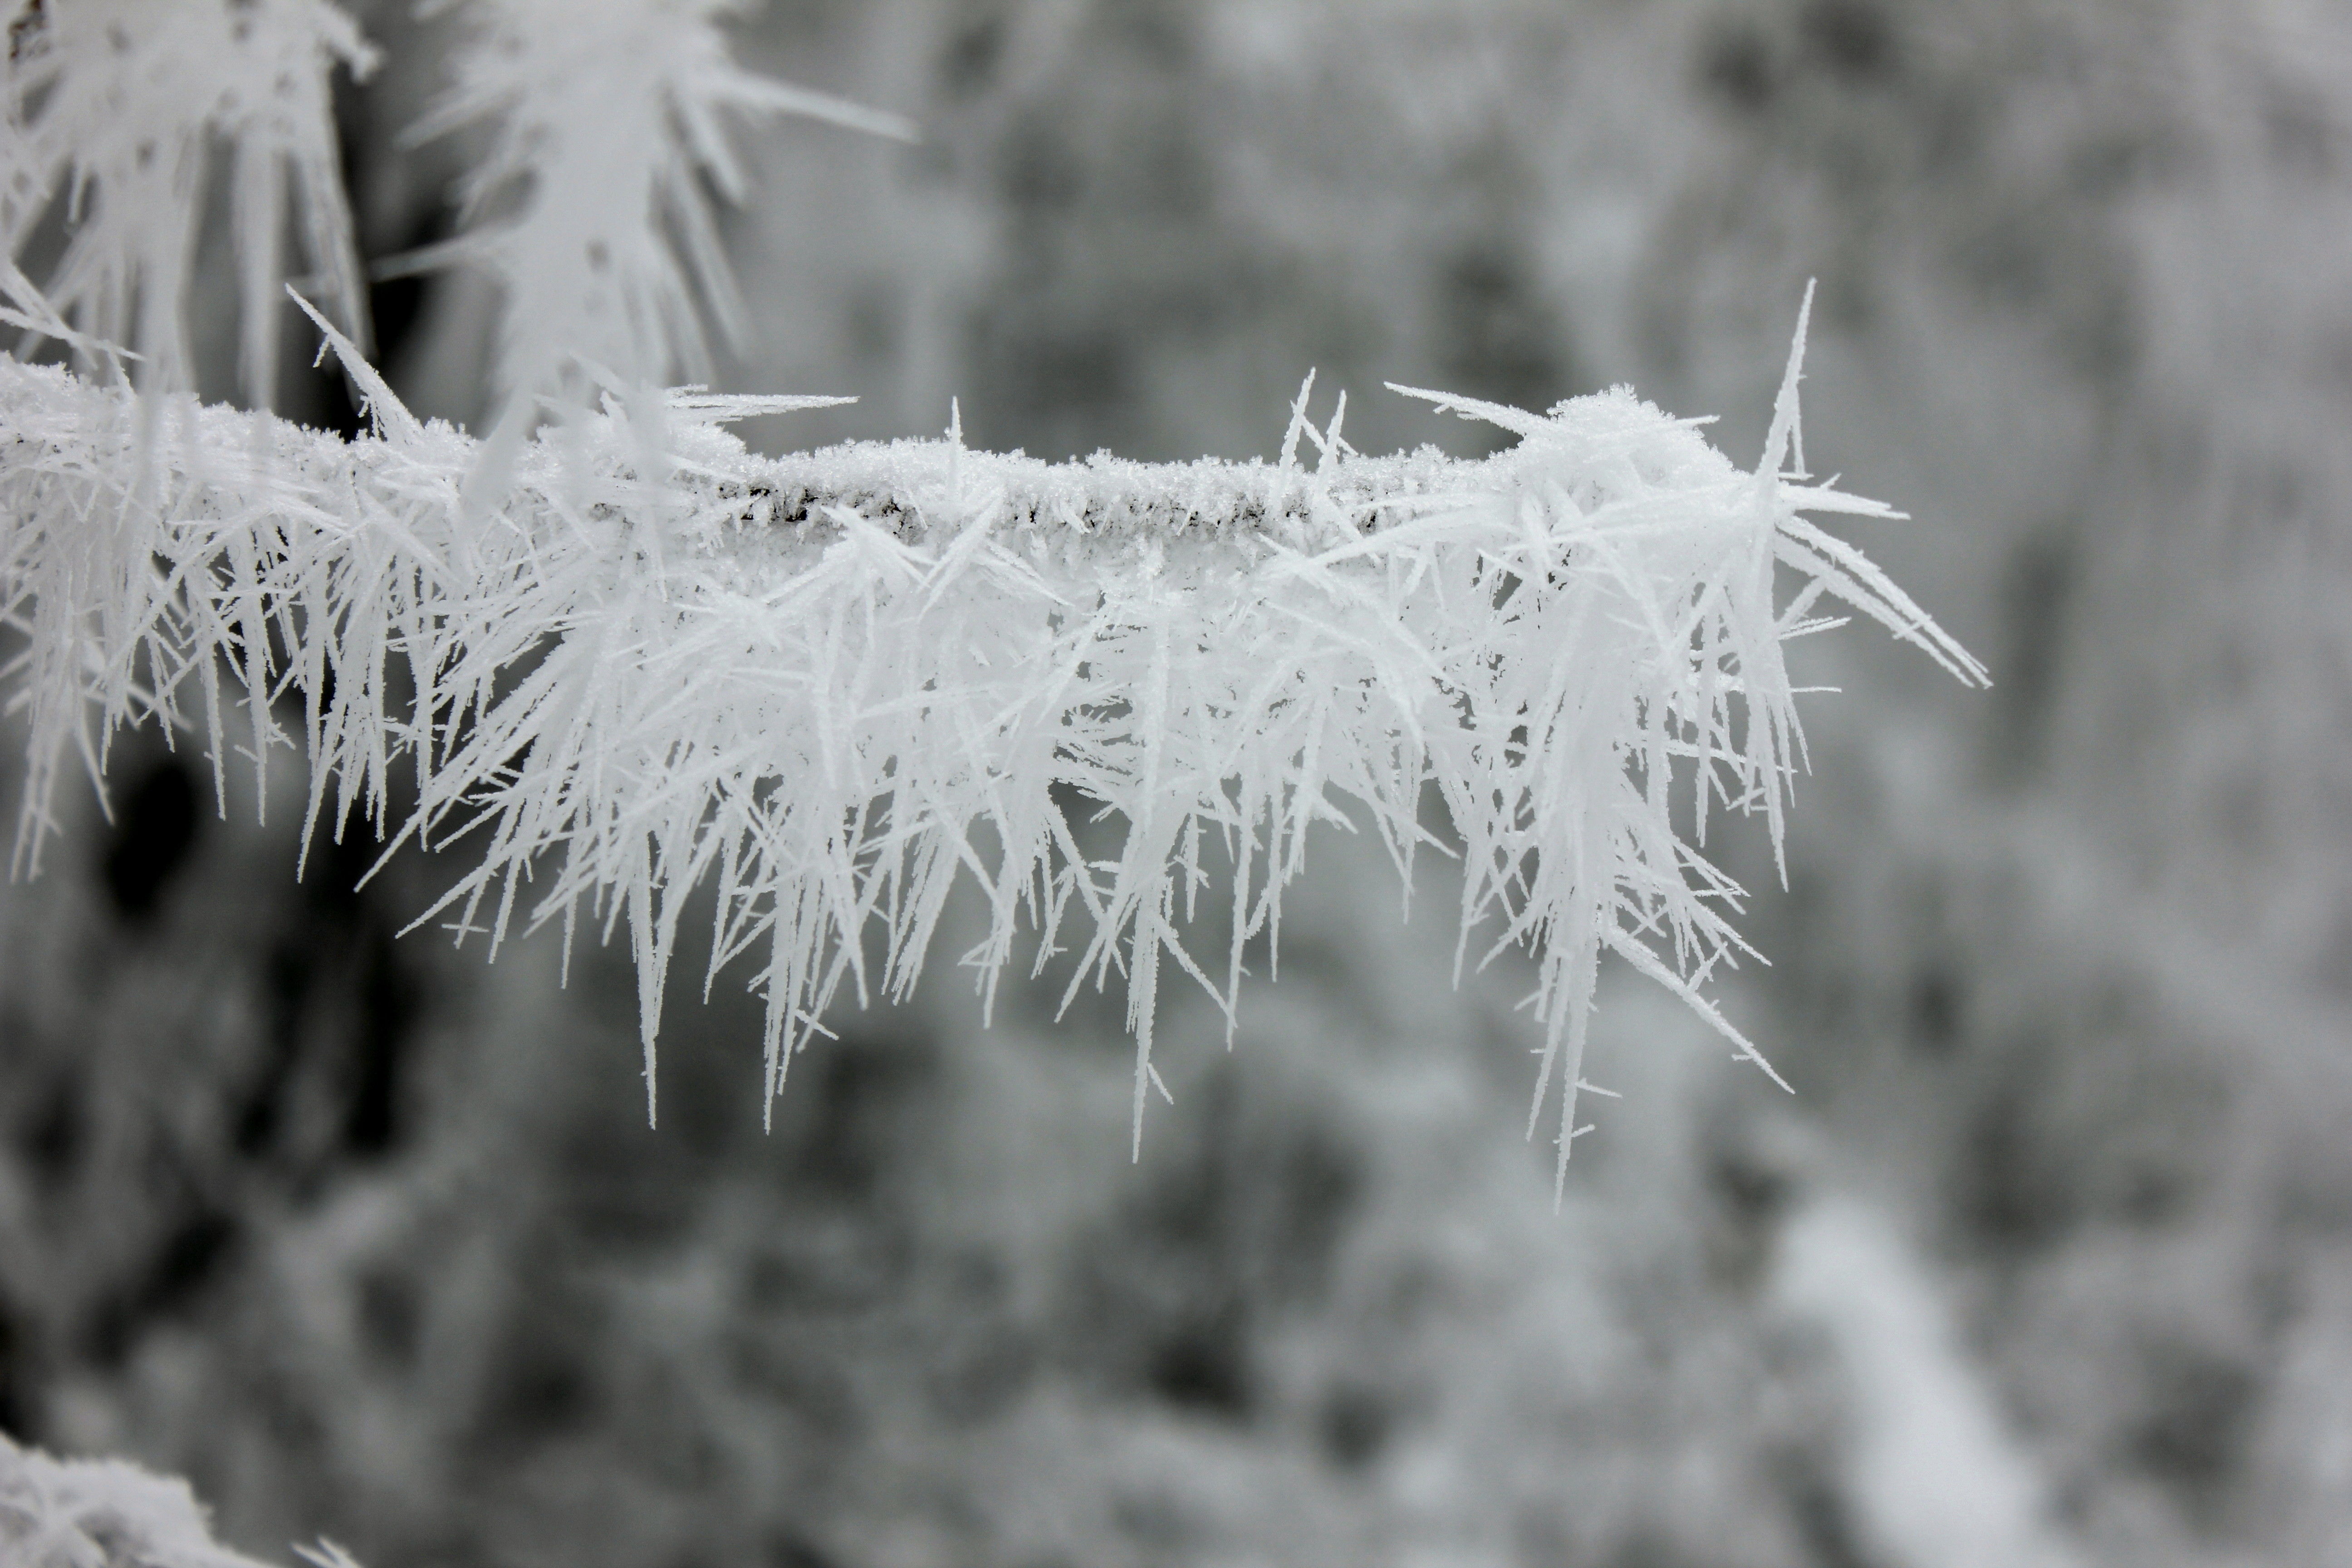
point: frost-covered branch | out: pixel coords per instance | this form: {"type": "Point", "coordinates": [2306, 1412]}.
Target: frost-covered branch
{"type": "Point", "coordinates": [832, 683]}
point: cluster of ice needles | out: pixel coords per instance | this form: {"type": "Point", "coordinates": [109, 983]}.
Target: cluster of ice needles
{"type": "Point", "coordinates": [833, 683]}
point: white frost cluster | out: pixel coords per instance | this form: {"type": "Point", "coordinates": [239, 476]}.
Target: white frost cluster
{"type": "Point", "coordinates": [103, 1513]}
{"type": "Point", "coordinates": [604, 118]}
{"type": "Point", "coordinates": [118, 111]}
{"type": "Point", "coordinates": [831, 683]}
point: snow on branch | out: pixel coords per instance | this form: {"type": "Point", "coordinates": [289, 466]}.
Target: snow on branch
{"type": "Point", "coordinates": [830, 684]}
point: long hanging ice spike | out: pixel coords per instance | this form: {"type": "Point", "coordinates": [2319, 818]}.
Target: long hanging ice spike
{"type": "Point", "coordinates": [834, 683]}
{"type": "Point", "coordinates": [126, 113]}
{"type": "Point", "coordinates": [607, 135]}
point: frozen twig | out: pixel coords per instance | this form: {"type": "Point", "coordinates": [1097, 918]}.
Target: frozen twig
{"type": "Point", "coordinates": [833, 683]}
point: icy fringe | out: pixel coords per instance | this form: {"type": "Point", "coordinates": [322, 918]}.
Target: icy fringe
{"type": "Point", "coordinates": [604, 120]}
{"type": "Point", "coordinates": [116, 111]}
{"type": "Point", "coordinates": [103, 1513]}
{"type": "Point", "coordinates": [830, 682]}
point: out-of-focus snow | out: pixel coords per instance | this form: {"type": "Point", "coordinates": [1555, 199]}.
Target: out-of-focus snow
{"type": "Point", "coordinates": [1934, 1477]}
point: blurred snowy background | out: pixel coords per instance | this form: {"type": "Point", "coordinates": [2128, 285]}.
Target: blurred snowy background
{"type": "Point", "coordinates": [2048, 1262]}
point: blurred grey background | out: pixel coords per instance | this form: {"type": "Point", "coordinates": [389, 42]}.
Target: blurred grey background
{"type": "Point", "coordinates": [2049, 1261]}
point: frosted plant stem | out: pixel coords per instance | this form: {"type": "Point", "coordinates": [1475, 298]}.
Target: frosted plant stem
{"type": "Point", "coordinates": [846, 679]}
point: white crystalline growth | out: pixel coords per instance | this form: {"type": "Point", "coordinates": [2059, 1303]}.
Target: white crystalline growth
{"type": "Point", "coordinates": [835, 683]}
{"type": "Point", "coordinates": [123, 115]}
{"type": "Point", "coordinates": [607, 129]}
{"type": "Point", "coordinates": [104, 1513]}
